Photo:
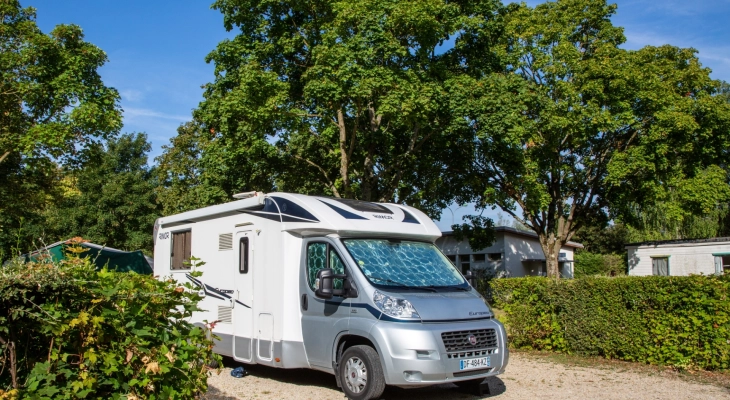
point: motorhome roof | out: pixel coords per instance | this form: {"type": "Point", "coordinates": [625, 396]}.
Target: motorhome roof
{"type": "Point", "coordinates": [310, 215]}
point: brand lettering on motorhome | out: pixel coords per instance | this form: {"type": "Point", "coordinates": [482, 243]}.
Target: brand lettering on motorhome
{"type": "Point", "coordinates": [472, 313]}
{"type": "Point", "coordinates": [382, 216]}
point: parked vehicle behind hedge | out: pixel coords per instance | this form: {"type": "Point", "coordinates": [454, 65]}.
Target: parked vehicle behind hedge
{"type": "Point", "coordinates": [682, 321]}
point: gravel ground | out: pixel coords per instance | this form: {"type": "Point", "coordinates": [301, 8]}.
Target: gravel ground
{"type": "Point", "coordinates": [526, 378]}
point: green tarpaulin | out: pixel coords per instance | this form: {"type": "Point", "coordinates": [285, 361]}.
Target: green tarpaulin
{"type": "Point", "coordinates": [113, 259]}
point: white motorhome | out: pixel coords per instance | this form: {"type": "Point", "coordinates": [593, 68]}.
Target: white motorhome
{"type": "Point", "coordinates": [353, 288]}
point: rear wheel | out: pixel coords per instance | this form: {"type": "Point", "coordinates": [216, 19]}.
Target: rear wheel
{"type": "Point", "coordinates": [361, 373]}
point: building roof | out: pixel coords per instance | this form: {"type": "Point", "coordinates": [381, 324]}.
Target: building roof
{"type": "Point", "coordinates": [678, 241]}
{"type": "Point", "coordinates": [517, 232]}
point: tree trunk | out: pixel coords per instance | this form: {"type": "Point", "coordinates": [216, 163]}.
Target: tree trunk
{"type": "Point", "coordinates": [10, 347]}
{"type": "Point", "coordinates": [344, 160]}
{"type": "Point", "coordinates": [551, 248]}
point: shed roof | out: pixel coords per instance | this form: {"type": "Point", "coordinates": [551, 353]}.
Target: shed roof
{"type": "Point", "coordinates": [678, 241]}
{"type": "Point", "coordinates": [517, 232]}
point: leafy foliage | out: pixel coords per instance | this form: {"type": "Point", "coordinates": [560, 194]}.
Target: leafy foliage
{"type": "Point", "coordinates": [111, 198]}
{"type": "Point", "coordinates": [52, 97]}
{"type": "Point", "coordinates": [344, 98]}
{"type": "Point", "coordinates": [575, 126]}
{"type": "Point", "coordinates": [591, 264]}
{"type": "Point", "coordinates": [68, 331]}
{"type": "Point", "coordinates": [677, 321]}
{"type": "Point", "coordinates": [52, 104]}
{"type": "Point", "coordinates": [195, 171]}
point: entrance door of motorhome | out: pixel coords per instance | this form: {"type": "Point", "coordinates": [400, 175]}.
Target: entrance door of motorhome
{"type": "Point", "coordinates": [322, 319]}
{"type": "Point", "coordinates": [243, 296]}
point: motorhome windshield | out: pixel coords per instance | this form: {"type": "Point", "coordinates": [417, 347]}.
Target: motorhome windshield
{"type": "Point", "coordinates": [403, 263]}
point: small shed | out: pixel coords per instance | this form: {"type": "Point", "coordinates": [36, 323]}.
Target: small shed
{"type": "Point", "coordinates": [101, 256]}
{"type": "Point", "coordinates": [679, 257]}
{"type": "Point", "coordinates": [514, 253]}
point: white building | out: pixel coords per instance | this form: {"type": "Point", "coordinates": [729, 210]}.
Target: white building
{"type": "Point", "coordinates": [514, 253]}
{"type": "Point", "coordinates": [680, 257]}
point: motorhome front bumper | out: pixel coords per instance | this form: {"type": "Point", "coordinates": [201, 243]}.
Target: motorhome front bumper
{"type": "Point", "coordinates": [418, 354]}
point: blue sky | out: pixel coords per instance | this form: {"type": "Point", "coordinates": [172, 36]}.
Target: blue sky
{"type": "Point", "coordinates": [157, 49]}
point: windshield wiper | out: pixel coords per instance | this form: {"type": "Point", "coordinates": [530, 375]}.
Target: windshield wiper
{"type": "Point", "coordinates": [459, 288]}
{"type": "Point", "coordinates": [402, 285]}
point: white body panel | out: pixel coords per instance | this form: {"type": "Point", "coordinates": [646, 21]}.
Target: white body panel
{"type": "Point", "coordinates": [274, 315]}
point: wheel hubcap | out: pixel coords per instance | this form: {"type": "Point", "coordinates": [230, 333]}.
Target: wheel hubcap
{"type": "Point", "coordinates": [356, 376]}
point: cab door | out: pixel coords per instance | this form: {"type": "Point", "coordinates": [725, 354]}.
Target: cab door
{"type": "Point", "coordinates": [322, 319]}
{"type": "Point", "coordinates": [242, 298]}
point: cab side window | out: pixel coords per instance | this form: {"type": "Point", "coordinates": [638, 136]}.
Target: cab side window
{"type": "Point", "coordinates": [321, 256]}
{"type": "Point", "coordinates": [316, 261]}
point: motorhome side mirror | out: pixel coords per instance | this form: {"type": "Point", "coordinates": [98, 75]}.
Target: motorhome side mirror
{"type": "Point", "coordinates": [471, 278]}
{"type": "Point", "coordinates": [326, 278]}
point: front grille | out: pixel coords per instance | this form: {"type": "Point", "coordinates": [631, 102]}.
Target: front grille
{"type": "Point", "coordinates": [470, 354]}
{"type": "Point", "coordinates": [458, 341]}
{"type": "Point", "coordinates": [472, 372]}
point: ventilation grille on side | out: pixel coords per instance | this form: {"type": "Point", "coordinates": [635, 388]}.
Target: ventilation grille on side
{"type": "Point", "coordinates": [224, 314]}
{"type": "Point", "coordinates": [225, 241]}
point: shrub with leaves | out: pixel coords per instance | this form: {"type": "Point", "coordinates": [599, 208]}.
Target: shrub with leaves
{"type": "Point", "coordinates": [680, 321]}
{"type": "Point", "coordinates": [68, 331]}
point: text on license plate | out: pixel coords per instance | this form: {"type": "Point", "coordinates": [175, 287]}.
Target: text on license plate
{"type": "Point", "coordinates": [471, 363]}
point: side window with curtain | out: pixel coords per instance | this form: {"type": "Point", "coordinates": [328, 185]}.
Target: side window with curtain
{"type": "Point", "coordinates": [660, 266]}
{"type": "Point", "coordinates": [319, 257]}
{"type": "Point", "coordinates": [180, 253]}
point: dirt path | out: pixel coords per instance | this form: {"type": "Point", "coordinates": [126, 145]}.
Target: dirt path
{"type": "Point", "coordinates": [526, 378]}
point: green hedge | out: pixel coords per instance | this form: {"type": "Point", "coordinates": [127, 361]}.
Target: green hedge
{"type": "Point", "coordinates": [678, 321]}
{"type": "Point", "coordinates": [68, 331]}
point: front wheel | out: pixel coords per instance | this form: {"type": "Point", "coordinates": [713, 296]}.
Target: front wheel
{"type": "Point", "coordinates": [361, 373]}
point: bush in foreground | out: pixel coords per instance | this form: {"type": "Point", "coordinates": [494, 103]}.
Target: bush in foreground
{"type": "Point", "coordinates": [682, 322]}
{"type": "Point", "coordinates": [68, 331]}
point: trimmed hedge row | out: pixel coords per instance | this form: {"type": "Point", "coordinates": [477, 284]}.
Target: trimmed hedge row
{"type": "Point", "coordinates": [677, 321]}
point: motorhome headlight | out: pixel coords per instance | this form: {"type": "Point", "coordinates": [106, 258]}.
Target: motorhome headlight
{"type": "Point", "coordinates": [395, 307]}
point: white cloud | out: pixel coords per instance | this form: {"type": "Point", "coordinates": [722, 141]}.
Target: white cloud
{"type": "Point", "coordinates": [135, 113]}
{"type": "Point", "coordinates": [131, 95]}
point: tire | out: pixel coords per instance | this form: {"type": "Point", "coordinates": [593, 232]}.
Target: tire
{"type": "Point", "coordinates": [361, 373]}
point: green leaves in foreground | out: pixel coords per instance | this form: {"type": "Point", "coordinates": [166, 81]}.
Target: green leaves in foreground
{"type": "Point", "coordinates": [79, 333]}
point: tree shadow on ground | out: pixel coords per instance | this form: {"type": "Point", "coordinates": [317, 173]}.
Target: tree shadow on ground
{"type": "Point", "coordinates": [308, 377]}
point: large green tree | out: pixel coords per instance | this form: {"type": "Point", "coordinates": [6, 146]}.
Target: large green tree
{"type": "Point", "coordinates": [346, 97]}
{"type": "Point", "coordinates": [111, 198]}
{"type": "Point", "coordinates": [52, 104]}
{"type": "Point", "coordinates": [51, 95]}
{"type": "Point", "coordinates": [575, 126]}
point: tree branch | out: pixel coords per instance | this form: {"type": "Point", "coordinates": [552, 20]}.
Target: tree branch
{"type": "Point", "coordinates": [326, 176]}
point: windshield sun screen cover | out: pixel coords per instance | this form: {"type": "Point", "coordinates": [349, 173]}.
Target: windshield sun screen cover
{"type": "Point", "coordinates": [403, 263]}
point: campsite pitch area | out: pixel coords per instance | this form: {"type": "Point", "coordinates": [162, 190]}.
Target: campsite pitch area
{"type": "Point", "coordinates": [528, 376]}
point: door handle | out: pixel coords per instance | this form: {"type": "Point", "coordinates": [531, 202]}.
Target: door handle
{"type": "Point", "coordinates": [305, 302]}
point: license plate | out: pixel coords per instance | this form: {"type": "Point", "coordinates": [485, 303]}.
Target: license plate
{"type": "Point", "coordinates": [473, 363]}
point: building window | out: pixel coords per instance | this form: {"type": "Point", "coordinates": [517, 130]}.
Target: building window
{"type": "Point", "coordinates": [726, 264]}
{"type": "Point", "coordinates": [478, 257]}
{"type": "Point", "coordinates": [660, 266]}
{"type": "Point", "coordinates": [452, 258]}
{"type": "Point", "coordinates": [243, 255]}
{"type": "Point", "coordinates": [180, 254]}
{"type": "Point", "coordinates": [495, 256]}
{"type": "Point", "coordinates": [465, 267]}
